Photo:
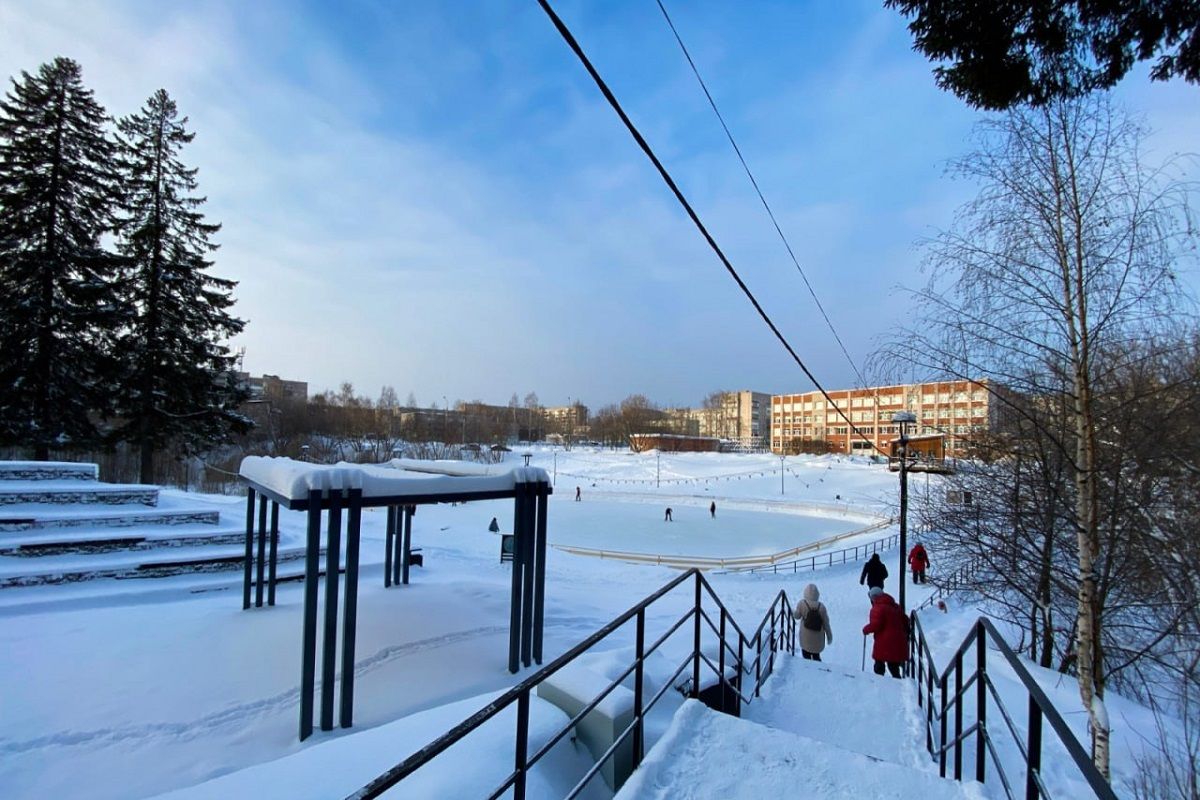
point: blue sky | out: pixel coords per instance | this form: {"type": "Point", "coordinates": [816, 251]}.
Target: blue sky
{"type": "Point", "coordinates": [434, 196]}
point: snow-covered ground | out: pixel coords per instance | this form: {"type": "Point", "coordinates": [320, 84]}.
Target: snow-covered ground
{"type": "Point", "coordinates": [126, 689]}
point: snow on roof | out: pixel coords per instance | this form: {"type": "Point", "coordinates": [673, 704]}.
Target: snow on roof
{"type": "Point", "coordinates": [294, 480]}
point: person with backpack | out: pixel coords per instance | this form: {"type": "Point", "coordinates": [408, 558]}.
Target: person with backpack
{"type": "Point", "coordinates": [918, 559]}
{"type": "Point", "coordinates": [889, 624]}
{"type": "Point", "coordinates": [874, 573]}
{"type": "Point", "coordinates": [815, 632]}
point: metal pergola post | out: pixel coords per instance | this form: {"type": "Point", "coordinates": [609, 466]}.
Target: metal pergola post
{"type": "Point", "coordinates": [248, 565]}
{"type": "Point", "coordinates": [274, 556]}
{"type": "Point", "coordinates": [308, 648]}
{"type": "Point", "coordinates": [389, 536]}
{"type": "Point", "coordinates": [539, 580]}
{"type": "Point", "coordinates": [350, 608]}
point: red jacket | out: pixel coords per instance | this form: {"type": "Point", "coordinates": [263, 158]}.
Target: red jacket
{"type": "Point", "coordinates": [890, 626]}
{"type": "Point", "coordinates": [918, 558]}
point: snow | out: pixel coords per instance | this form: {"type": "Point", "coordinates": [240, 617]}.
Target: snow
{"type": "Point", "coordinates": [293, 480]}
{"type": "Point", "coordinates": [707, 754]}
{"type": "Point", "coordinates": [132, 689]}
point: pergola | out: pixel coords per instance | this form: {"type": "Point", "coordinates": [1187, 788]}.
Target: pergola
{"type": "Point", "coordinates": [327, 493]}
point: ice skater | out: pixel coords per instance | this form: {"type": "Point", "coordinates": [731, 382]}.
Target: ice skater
{"type": "Point", "coordinates": [712, 509]}
{"type": "Point", "coordinates": [667, 517]}
{"type": "Point", "coordinates": [578, 494]}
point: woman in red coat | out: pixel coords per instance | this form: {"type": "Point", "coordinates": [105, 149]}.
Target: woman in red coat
{"type": "Point", "coordinates": [890, 626]}
{"type": "Point", "coordinates": [918, 559]}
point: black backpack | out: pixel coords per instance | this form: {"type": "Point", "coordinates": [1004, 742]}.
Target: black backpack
{"type": "Point", "coordinates": [812, 619]}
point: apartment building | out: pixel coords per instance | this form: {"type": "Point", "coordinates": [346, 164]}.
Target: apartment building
{"type": "Point", "coordinates": [743, 418]}
{"type": "Point", "coordinates": [808, 421]}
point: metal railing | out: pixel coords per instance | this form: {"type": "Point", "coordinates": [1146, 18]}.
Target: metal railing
{"type": "Point", "coordinates": [750, 658]}
{"type": "Point", "coordinates": [725, 563]}
{"type": "Point", "coordinates": [845, 556]}
{"type": "Point", "coordinates": [946, 696]}
{"type": "Point", "coordinates": [951, 583]}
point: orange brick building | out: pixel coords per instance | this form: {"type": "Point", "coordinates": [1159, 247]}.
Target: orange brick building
{"type": "Point", "coordinates": [954, 408]}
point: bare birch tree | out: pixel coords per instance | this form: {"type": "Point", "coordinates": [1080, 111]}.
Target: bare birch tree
{"type": "Point", "coordinates": [1066, 255]}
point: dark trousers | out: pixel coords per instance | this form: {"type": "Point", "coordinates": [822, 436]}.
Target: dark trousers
{"type": "Point", "coordinates": [919, 576]}
{"type": "Point", "coordinates": [892, 667]}
{"type": "Point", "coordinates": [810, 656]}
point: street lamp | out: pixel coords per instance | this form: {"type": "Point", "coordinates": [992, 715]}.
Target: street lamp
{"type": "Point", "coordinates": [782, 472]}
{"type": "Point", "coordinates": [903, 419]}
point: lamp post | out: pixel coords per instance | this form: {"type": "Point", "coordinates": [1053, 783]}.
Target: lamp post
{"type": "Point", "coordinates": [903, 419]}
{"type": "Point", "coordinates": [657, 470]}
{"type": "Point", "coordinates": [782, 472]}
{"type": "Point", "coordinates": [445, 420]}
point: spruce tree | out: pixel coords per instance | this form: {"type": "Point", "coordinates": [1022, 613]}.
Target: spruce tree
{"type": "Point", "coordinates": [178, 384]}
{"type": "Point", "coordinates": [57, 307]}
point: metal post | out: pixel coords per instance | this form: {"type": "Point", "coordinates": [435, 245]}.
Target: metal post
{"type": "Point", "coordinates": [406, 547]}
{"type": "Point", "coordinates": [522, 748]}
{"type": "Point", "coordinates": [274, 554]}
{"type": "Point", "coordinates": [526, 544]}
{"type": "Point", "coordinates": [308, 649]}
{"type": "Point", "coordinates": [249, 548]}
{"type": "Point", "coordinates": [260, 576]}
{"type": "Point", "coordinates": [958, 716]}
{"type": "Point", "coordinates": [638, 670]}
{"type": "Point", "coordinates": [333, 557]}
{"type": "Point", "coordinates": [782, 472]}
{"type": "Point", "coordinates": [1034, 748]}
{"type": "Point", "coordinates": [657, 470]}
{"type": "Point", "coordinates": [539, 574]}
{"type": "Point", "coordinates": [721, 658]}
{"type": "Point", "coordinates": [350, 608]}
{"type": "Point", "coordinates": [980, 700]}
{"type": "Point", "coordinates": [514, 617]}
{"type": "Point", "coordinates": [942, 741]}
{"type": "Point", "coordinates": [397, 544]}
{"type": "Point", "coordinates": [903, 514]}
{"type": "Point", "coordinates": [696, 643]}
{"type": "Point", "coordinates": [389, 537]}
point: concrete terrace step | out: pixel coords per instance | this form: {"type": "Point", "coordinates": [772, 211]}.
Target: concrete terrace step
{"type": "Point", "coordinates": [708, 754]}
{"type": "Point", "coordinates": [55, 541]}
{"type": "Point", "coordinates": [53, 570]}
{"type": "Point", "coordinates": [48, 471]}
{"type": "Point", "coordinates": [60, 492]}
{"type": "Point", "coordinates": [33, 517]}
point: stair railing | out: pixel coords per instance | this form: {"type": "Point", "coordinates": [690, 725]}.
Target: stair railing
{"type": "Point", "coordinates": [737, 658]}
{"type": "Point", "coordinates": [946, 695]}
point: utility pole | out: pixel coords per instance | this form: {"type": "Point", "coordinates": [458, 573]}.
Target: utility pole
{"type": "Point", "coordinates": [554, 480]}
{"type": "Point", "coordinates": [657, 470]}
{"type": "Point", "coordinates": [782, 472]}
{"type": "Point", "coordinates": [903, 419]}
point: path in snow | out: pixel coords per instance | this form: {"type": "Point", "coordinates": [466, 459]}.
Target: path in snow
{"type": "Point", "coordinates": [708, 754]}
{"type": "Point", "coordinates": [854, 710]}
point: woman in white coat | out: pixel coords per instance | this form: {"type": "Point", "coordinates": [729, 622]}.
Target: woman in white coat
{"type": "Point", "coordinates": [815, 632]}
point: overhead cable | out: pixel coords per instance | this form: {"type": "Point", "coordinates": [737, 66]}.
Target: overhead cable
{"type": "Point", "coordinates": [758, 191]}
{"type": "Point", "coordinates": [569, 38]}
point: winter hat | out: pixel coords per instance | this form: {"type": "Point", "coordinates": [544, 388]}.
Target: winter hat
{"type": "Point", "coordinates": [875, 591]}
{"type": "Point", "coordinates": [811, 593]}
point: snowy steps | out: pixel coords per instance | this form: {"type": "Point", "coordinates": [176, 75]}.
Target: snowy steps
{"type": "Point", "coordinates": [59, 524]}
{"type": "Point", "coordinates": [818, 731]}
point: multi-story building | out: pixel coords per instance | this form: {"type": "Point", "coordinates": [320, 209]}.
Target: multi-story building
{"type": "Point", "coordinates": [743, 418]}
{"type": "Point", "coordinates": [955, 409]}
{"type": "Point", "coordinates": [273, 387]}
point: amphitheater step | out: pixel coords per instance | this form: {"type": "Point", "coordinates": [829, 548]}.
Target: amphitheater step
{"type": "Point", "coordinates": [59, 492]}
{"type": "Point", "coordinates": [53, 570]}
{"type": "Point", "coordinates": [48, 471]}
{"type": "Point", "coordinates": [39, 518]}
{"type": "Point", "coordinates": [58, 541]}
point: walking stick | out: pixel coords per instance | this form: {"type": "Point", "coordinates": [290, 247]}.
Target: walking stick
{"type": "Point", "coordinates": [864, 656]}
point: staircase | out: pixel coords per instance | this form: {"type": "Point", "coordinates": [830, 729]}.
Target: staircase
{"type": "Point", "coordinates": [59, 524]}
{"type": "Point", "coordinates": [817, 731]}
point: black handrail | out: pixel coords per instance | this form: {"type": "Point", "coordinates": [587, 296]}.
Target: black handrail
{"type": "Point", "coordinates": [746, 655]}
{"type": "Point", "coordinates": [827, 559]}
{"type": "Point", "coordinates": [953, 685]}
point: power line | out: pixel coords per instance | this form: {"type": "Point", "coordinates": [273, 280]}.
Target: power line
{"type": "Point", "coordinates": [758, 191]}
{"type": "Point", "coordinates": [683, 201]}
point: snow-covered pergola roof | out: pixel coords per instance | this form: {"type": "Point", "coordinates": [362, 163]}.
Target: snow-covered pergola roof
{"type": "Point", "coordinates": [333, 494]}
{"type": "Point", "coordinates": [396, 482]}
